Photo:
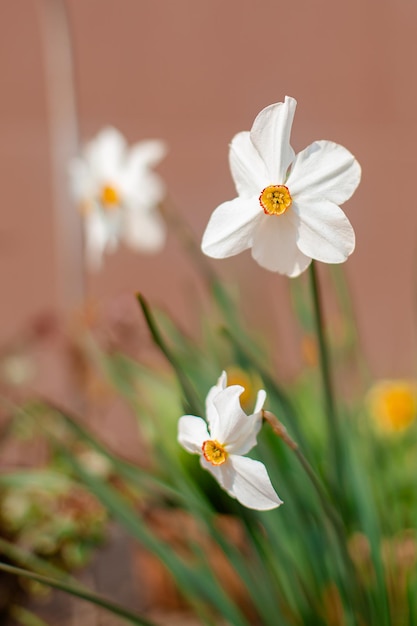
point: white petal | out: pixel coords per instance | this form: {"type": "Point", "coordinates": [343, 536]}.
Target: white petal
{"type": "Point", "coordinates": [145, 154]}
{"type": "Point", "coordinates": [247, 434]}
{"type": "Point", "coordinates": [236, 430]}
{"type": "Point", "coordinates": [260, 401]}
{"type": "Point", "coordinates": [270, 135]}
{"type": "Point", "coordinates": [224, 474]}
{"type": "Point", "coordinates": [192, 433]}
{"type": "Point", "coordinates": [231, 226]}
{"type": "Point", "coordinates": [143, 230]}
{"type": "Point", "coordinates": [145, 189]}
{"type": "Point", "coordinates": [96, 239]}
{"type": "Point", "coordinates": [251, 485]}
{"type": "Point", "coordinates": [211, 411]}
{"type": "Point", "coordinates": [326, 170]}
{"type": "Point", "coordinates": [81, 182]}
{"type": "Point", "coordinates": [138, 181]}
{"type": "Point", "coordinates": [248, 170]}
{"type": "Point", "coordinates": [324, 232]}
{"type": "Point", "coordinates": [275, 245]}
{"type": "Point", "coordinates": [105, 154]}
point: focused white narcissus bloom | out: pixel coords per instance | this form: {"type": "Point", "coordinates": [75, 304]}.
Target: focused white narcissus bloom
{"type": "Point", "coordinates": [229, 434]}
{"type": "Point", "coordinates": [287, 208]}
{"type": "Point", "coordinates": [117, 193]}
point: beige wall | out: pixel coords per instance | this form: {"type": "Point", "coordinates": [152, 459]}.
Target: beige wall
{"type": "Point", "coordinates": [194, 72]}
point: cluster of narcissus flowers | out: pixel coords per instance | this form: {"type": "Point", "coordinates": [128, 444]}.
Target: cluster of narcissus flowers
{"type": "Point", "coordinates": [287, 210]}
{"type": "Point", "coordinates": [393, 405]}
{"type": "Point", "coordinates": [221, 442]}
{"type": "Point", "coordinates": [118, 193]}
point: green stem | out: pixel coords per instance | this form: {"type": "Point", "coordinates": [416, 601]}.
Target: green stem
{"type": "Point", "coordinates": [329, 510]}
{"type": "Point", "coordinates": [329, 399]}
{"type": "Point", "coordinates": [79, 592]}
{"type": "Point", "coordinates": [280, 430]}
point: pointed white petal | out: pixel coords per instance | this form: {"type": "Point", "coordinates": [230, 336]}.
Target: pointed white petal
{"type": "Point", "coordinates": [230, 228]}
{"type": "Point", "coordinates": [270, 135]}
{"type": "Point", "coordinates": [224, 474]}
{"type": "Point", "coordinates": [143, 230]}
{"type": "Point", "coordinates": [251, 485]}
{"type": "Point", "coordinates": [248, 170]}
{"type": "Point", "coordinates": [236, 430]}
{"type": "Point", "coordinates": [275, 245]}
{"type": "Point", "coordinates": [145, 190]}
{"type": "Point", "coordinates": [260, 401]}
{"type": "Point", "coordinates": [137, 180]}
{"type": "Point", "coordinates": [246, 436]}
{"type": "Point", "coordinates": [145, 154]}
{"type": "Point", "coordinates": [112, 222]}
{"type": "Point", "coordinates": [96, 239]}
{"type": "Point", "coordinates": [192, 433]}
{"type": "Point", "coordinates": [326, 170]}
{"type": "Point", "coordinates": [324, 232]}
{"type": "Point", "coordinates": [105, 154]}
{"type": "Point", "coordinates": [211, 411]}
{"type": "Point", "coordinates": [230, 413]}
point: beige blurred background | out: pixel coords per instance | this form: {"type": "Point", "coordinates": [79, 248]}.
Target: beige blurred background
{"type": "Point", "coordinates": [195, 72]}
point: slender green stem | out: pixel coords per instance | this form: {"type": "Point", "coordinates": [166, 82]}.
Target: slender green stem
{"type": "Point", "coordinates": [329, 510]}
{"type": "Point", "coordinates": [329, 399]}
{"type": "Point", "coordinates": [79, 592]}
{"type": "Point", "coordinates": [280, 430]}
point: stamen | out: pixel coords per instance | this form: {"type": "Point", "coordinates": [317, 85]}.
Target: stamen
{"type": "Point", "coordinates": [275, 199]}
{"type": "Point", "coordinates": [214, 452]}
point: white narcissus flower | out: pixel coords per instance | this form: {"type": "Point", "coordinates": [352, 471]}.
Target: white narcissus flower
{"type": "Point", "coordinates": [117, 193]}
{"type": "Point", "coordinates": [287, 206]}
{"type": "Point", "coordinates": [229, 434]}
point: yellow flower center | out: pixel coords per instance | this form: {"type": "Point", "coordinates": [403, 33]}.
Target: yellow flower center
{"type": "Point", "coordinates": [214, 452]}
{"type": "Point", "coordinates": [109, 197]}
{"type": "Point", "coordinates": [275, 199]}
{"type": "Point", "coordinates": [394, 405]}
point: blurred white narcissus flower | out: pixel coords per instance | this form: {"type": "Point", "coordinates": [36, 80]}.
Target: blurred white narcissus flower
{"type": "Point", "coordinates": [117, 193]}
{"type": "Point", "coordinates": [287, 206]}
{"type": "Point", "coordinates": [221, 444]}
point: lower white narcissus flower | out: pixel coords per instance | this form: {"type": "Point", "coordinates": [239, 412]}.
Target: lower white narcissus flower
{"type": "Point", "coordinates": [117, 193]}
{"type": "Point", "coordinates": [287, 210]}
{"type": "Point", "coordinates": [229, 434]}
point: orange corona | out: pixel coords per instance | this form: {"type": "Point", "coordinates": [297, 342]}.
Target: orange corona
{"type": "Point", "coordinates": [214, 452]}
{"type": "Point", "coordinates": [275, 199]}
{"type": "Point", "coordinates": [109, 197]}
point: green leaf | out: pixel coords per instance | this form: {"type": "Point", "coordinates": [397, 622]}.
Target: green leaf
{"type": "Point", "coordinates": [79, 592]}
{"type": "Point", "coordinates": [26, 618]}
{"type": "Point", "coordinates": [191, 579]}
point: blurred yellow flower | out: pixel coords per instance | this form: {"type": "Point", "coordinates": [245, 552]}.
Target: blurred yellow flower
{"type": "Point", "coordinates": [393, 405]}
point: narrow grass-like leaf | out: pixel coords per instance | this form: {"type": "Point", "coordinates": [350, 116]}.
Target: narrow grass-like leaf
{"type": "Point", "coordinates": [192, 399]}
{"type": "Point", "coordinates": [193, 583]}
{"type": "Point", "coordinates": [23, 617]}
{"type": "Point", "coordinates": [79, 592]}
{"type": "Point", "coordinates": [30, 561]}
